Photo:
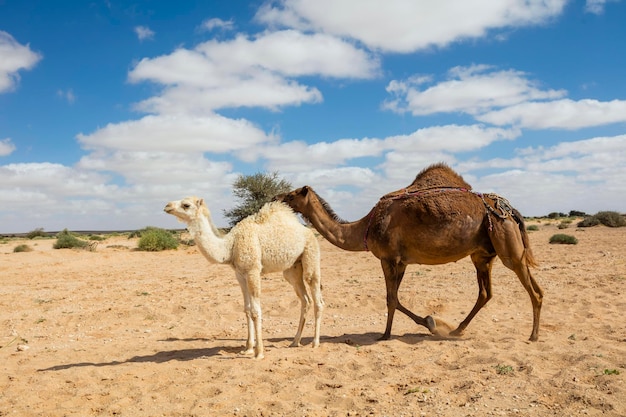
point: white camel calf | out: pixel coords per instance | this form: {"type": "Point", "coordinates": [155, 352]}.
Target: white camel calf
{"type": "Point", "coordinates": [272, 240]}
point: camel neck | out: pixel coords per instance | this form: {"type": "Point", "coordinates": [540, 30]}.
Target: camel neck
{"type": "Point", "coordinates": [216, 249]}
{"type": "Point", "coordinates": [348, 236]}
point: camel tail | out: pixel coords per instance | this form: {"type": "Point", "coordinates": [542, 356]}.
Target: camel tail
{"type": "Point", "coordinates": [528, 253]}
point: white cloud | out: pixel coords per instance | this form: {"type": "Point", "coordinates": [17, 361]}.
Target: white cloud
{"type": "Point", "coordinates": [176, 133]}
{"type": "Point", "coordinates": [559, 114]}
{"type": "Point", "coordinates": [176, 171]}
{"type": "Point", "coordinates": [596, 6]}
{"type": "Point", "coordinates": [408, 25]}
{"type": "Point", "coordinates": [472, 90]}
{"type": "Point", "coordinates": [6, 147]}
{"type": "Point", "coordinates": [216, 23]}
{"type": "Point", "coordinates": [144, 33]}
{"type": "Point", "coordinates": [502, 98]}
{"type": "Point", "coordinates": [408, 154]}
{"type": "Point", "coordinates": [579, 175]}
{"type": "Point", "coordinates": [90, 196]}
{"type": "Point", "coordinates": [264, 90]}
{"type": "Point", "coordinates": [430, 143]}
{"type": "Point", "coordinates": [299, 156]}
{"type": "Point", "coordinates": [52, 180]}
{"type": "Point", "coordinates": [450, 139]}
{"type": "Point", "coordinates": [249, 72]}
{"type": "Point", "coordinates": [15, 57]}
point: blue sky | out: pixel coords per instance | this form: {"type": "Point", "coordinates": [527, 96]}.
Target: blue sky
{"type": "Point", "coordinates": [109, 109]}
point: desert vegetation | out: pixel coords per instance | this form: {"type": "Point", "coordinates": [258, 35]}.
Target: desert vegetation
{"type": "Point", "coordinates": [563, 239]}
{"type": "Point", "coordinates": [154, 239]}
{"type": "Point", "coordinates": [606, 218]}
{"type": "Point", "coordinates": [22, 248]}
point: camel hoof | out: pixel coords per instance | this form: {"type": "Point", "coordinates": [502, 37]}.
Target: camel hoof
{"type": "Point", "coordinates": [456, 333]}
{"type": "Point", "coordinates": [385, 337]}
{"type": "Point", "coordinates": [294, 344]}
{"type": "Point", "coordinates": [247, 352]}
{"type": "Point", "coordinates": [430, 324]}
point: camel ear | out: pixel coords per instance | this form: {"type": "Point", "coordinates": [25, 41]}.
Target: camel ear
{"type": "Point", "coordinates": [200, 202]}
{"type": "Point", "coordinates": [304, 191]}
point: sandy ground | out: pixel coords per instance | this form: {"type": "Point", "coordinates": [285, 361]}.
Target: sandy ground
{"type": "Point", "coordinates": [128, 333]}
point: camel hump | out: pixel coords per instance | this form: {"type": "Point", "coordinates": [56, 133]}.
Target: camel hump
{"type": "Point", "coordinates": [438, 175]}
{"type": "Point", "coordinates": [270, 210]}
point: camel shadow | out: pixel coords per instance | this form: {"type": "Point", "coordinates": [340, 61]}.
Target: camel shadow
{"type": "Point", "coordinates": [183, 355]}
{"type": "Point", "coordinates": [372, 338]}
{"type": "Point", "coordinates": [159, 357]}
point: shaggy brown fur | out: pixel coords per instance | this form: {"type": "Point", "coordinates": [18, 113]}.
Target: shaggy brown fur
{"type": "Point", "coordinates": [435, 220]}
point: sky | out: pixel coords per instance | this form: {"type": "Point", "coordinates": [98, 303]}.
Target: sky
{"type": "Point", "coordinates": [109, 109]}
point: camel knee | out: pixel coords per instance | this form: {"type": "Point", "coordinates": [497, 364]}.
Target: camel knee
{"type": "Point", "coordinates": [254, 314]}
{"type": "Point", "coordinates": [319, 309]}
{"type": "Point", "coordinates": [392, 300]}
{"type": "Point", "coordinates": [484, 296]}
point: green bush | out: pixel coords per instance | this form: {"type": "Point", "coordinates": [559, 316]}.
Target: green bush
{"type": "Point", "coordinates": [532, 227]}
{"type": "Point", "coordinates": [155, 239]}
{"type": "Point", "coordinates": [611, 219]}
{"type": "Point", "coordinates": [22, 248]}
{"type": "Point", "coordinates": [607, 218]}
{"type": "Point", "coordinates": [66, 240]}
{"type": "Point", "coordinates": [589, 222]}
{"type": "Point", "coordinates": [563, 225]}
{"type": "Point", "coordinates": [563, 239]}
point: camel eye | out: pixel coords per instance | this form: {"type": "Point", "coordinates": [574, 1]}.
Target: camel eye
{"type": "Point", "coordinates": [186, 205]}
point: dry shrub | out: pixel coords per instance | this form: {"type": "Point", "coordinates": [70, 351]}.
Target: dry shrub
{"type": "Point", "coordinates": [563, 239]}
{"type": "Point", "coordinates": [607, 218]}
{"type": "Point", "coordinates": [22, 248]}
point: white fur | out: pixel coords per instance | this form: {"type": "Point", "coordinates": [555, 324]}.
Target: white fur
{"type": "Point", "coordinates": [273, 240]}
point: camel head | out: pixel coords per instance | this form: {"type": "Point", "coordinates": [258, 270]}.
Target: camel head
{"type": "Point", "coordinates": [296, 199]}
{"type": "Point", "coordinates": [187, 209]}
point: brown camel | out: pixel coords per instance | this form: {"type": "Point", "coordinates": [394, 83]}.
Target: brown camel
{"type": "Point", "coordinates": [435, 220]}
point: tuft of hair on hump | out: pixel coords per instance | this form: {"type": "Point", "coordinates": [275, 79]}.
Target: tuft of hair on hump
{"type": "Point", "coordinates": [270, 209]}
{"type": "Point", "coordinates": [439, 175]}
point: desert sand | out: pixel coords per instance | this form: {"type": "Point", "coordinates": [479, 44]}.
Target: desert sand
{"type": "Point", "coordinates": [128, 333]}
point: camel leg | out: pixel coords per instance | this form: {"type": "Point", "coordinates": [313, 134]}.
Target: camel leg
{"type": "Point", "coordinates": [241, 279]}
{"type": "Point", "coordinates": [254, 287]}
{"type": "Point", "coordinates": [394, 272]}
{"type": "Point", "coordinates": [250, 282]}
{"type": "Point", "coordinates": [294, 276]}
{"type": "Point", "coordinates": [536, 296]}
{"type": "Point", "coordinates": [511, 251]}
{"type": "Point", "coordinates": [315, 285]}
{"type": "Point", "coordinates": [483, 266]}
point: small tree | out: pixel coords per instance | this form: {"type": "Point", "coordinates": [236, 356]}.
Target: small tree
{"type": "Point", "coordinates": [38, 232]}
{"type": "Point", "coordinates": [254, 191]}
